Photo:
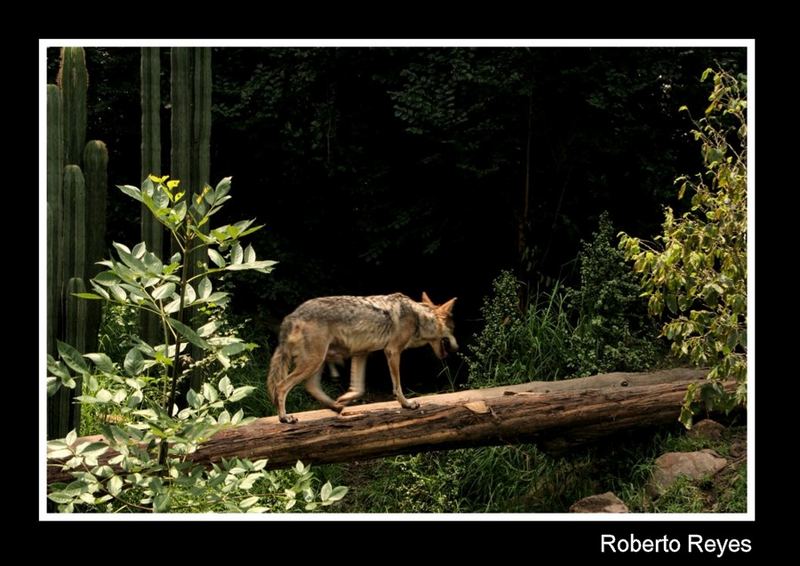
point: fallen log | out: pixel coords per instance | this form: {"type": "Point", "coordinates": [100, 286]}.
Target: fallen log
{"type": "Point", "coordinates": [555, 414]}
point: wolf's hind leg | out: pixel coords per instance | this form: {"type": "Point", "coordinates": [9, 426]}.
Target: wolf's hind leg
{"type": "Point", "coordinates": [358, 366]}
{"type": "Point", "coordinates": [313, 386]}
{"type": "Point", "coordinates": [311, 367]}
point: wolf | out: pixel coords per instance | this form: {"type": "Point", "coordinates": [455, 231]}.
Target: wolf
{"type": "Point", "coordinates": [331, 329]}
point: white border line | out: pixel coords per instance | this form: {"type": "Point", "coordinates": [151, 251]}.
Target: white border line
{"type": "Point", "coordinates": [644, 517]}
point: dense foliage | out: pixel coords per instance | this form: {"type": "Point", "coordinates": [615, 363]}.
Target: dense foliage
{"type": "Point", "coordinates": [614, 331]}
{"type": "Point", "coordinates": [697, 268]}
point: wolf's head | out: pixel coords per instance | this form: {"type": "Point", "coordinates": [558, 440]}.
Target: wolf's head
{"type": "Point", "coordinates": [443, 340]}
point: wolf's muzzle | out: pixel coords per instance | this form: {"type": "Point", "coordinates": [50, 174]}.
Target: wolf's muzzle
{"type": "Point", "coordinates": [448, 346]}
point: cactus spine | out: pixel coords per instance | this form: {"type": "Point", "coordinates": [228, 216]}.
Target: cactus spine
{"type": "Point", "coordinates": [152, 231]}
{"type": "Point", "coordinates": [191, 135]}
{"type": "Point", "coordinates": [74, 82]}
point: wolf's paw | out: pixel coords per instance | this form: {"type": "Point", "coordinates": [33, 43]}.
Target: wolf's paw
{"type": "Point", "coordinates": [338, 407]}
{"type": "Point", "coordinates": [288, 419]}
{"type": "Point", "coordinates": [411, 405]}
{"type": "Point", "coordinates": [347, 398]}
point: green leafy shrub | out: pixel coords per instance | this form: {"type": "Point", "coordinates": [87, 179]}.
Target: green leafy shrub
{"type": "Point", "coordinates": [519, 343]}
{"type": "Point", "coordinates": [614, 331]}
{"type": "Point", "coordinates": [697, 268]}
{"type": "Point", "coordinates": [150, 438]}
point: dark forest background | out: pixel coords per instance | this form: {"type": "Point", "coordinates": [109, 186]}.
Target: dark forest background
{"type": "Point", "coordinates": [379, 170]}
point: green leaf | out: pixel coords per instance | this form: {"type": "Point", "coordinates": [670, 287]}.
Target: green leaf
{"type": "Point", "coordinates": [180, 211]}
{"type": "Point", "coordinates": [189, 295]}
{"type": "Point", "coordinates": [193, 399]}
{"type": "Point", "coordinates": [233, 349]}
{"type": "Point", "coordinates": [139, 250]}
{"type": "Point", "coordinates": [325, 492]}
{"type": "Point", "coordinates": [208, 329]}
{"type": "Point", "coordinates": [114, 485]}
{"type": "Point", "coordinates": [189, 334]}
{"type": "Point", "coordinates": [216, 257]}
{"type": "Point", "coordinates": [102, 362]}
{"type": "Point", "coordinates": [118, 293]}
{"type": "Point", "coordinates": [209, 392]}
{"type": "Point", "coordinates": [59, 454]}
{"type": "Point", "coordinates": [241, 392]}
{"type": "Point", "coordinates": [161, 502]}
{"type": "Point", "coordinates": [104, 396]}
{"type": "Point", "coordinates": [225, 386]}
{"type": "Point", "coordinates": [87, 296]}
{"type": "Point", "coordinates": [71, 437]}
{"type": "Point", "coordinates": [265, 264]}
{"type": "Point", "coordinates": [100, 291]}
{"type": "Point", "coordinates": [134, 362]}
{"type": "Point", "coordinates": [249, 502]}
{"type": "Point", "coordinates": [72, 357]}
{"type": "Point", "coordinates": [163, 291]}
{"type": "Point", "coordinates": [204, 288]}
{"type": "Point", "coordinates": [95, 449]}
{"type": "Point", "coordinates": [223, 187]}
{"type": "Point", "coordinates": [131, 191]}
{"type": "Point", "coordinates": [59, 497]}
{"type": "Point", "coordinates": [249, 254]}
{"type": "Point", "coordinates": [218, 297]}
{"type": "Point", "coordinates": [237, 416]}
{"type": "Point", "coordinates": [172, 307]}
{"type": "Point", "coordinates": [237, 255]}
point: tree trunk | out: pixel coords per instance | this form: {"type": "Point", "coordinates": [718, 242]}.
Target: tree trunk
{"type": "Point", "coordinates": [556, 415]}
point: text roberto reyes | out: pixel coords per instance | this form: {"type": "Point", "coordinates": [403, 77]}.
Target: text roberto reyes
{"type": "Point", "coordinates": [695, 544]}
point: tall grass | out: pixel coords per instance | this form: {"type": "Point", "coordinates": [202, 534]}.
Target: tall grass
{"type": "Point", "coordinates": [520, 343]}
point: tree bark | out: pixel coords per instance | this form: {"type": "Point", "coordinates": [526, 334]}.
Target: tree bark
{"type": "Point", "coordinates": [556, 415]}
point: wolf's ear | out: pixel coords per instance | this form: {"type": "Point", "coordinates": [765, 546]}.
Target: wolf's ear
{"type": "Point", "coordinates": [426, 299]}
{"type": "Point", "coordinates": [448, 306]}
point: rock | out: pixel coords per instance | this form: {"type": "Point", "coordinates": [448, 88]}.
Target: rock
{"type": "Point", "coordinates": [738, 448]}
{"type": "Point", "coordinates": [694, 465]}
{"type": "Point", "coordinates": [707, 428]}
{"type": "Point", "coordinates": [603, 503]}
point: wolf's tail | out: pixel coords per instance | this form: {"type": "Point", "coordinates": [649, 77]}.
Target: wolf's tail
{"type": "Point", "coordinates": [278, 370]}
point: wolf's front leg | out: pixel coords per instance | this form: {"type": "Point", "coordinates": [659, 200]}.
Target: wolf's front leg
{"type": "Point", "coordinates": [393, 358]}
{"type": "Point", "coordinates": [358, 366]}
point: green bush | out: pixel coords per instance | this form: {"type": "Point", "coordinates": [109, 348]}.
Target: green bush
{"type": "Point", "coordinates": [614, 331]}
{"type": "Point", "coordinates": [519, 343]}
{"type": "Point", "coordinates": [697, 268]}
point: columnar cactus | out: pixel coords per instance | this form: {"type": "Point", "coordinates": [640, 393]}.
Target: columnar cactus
{"type": "Point", "coordinates": [74, 230]}
{"type": "Point", "coordinates": [75, 335]}
{"type": "Point", "coordinates": [95, 167]}
{"type": "Point", "coordinates": [152, 231]}
{"type": "Point", "coordinates": [191, 117]}
{"type": "Point", "coordinates": [191, 131]}
{"type": "Point", "coordinates": [74, 82]}
{"type": "Point", "coordinates": [55, 178]}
